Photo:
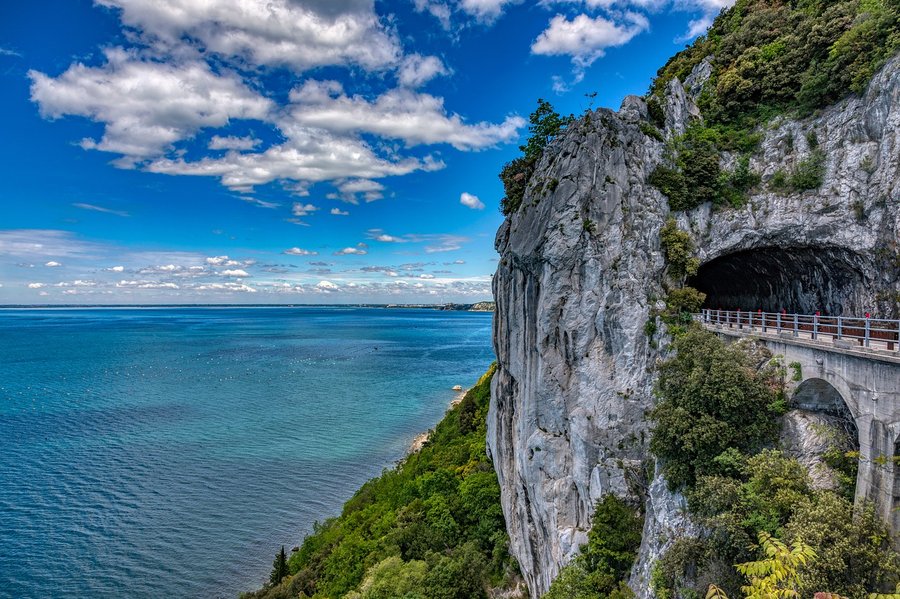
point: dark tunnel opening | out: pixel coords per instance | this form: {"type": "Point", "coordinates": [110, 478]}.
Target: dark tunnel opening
{"type": "Point", "coordinates": [799, 279]}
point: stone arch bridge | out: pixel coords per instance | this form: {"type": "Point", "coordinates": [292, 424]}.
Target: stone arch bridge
{"type": "Point", "coordinates": [839, 365]}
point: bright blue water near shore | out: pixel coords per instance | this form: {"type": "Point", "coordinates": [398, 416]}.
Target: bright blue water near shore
{"type": "Point", "coordinates": [170, 452]}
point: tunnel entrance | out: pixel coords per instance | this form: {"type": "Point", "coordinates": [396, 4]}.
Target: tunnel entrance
{"type": "Point", "coordinates": [796, 279]}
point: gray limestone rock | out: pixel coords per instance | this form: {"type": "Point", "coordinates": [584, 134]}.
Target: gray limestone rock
{"type": "Point", "coordinates": [581, 269]}
{"type": "Point", "coordinates": [698, 77]}
{"type": "Point", "coordinates": [807, 435]}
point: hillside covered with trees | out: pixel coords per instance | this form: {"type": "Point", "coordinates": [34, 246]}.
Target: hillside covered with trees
{"type": "Point", "coordinates": [431, 528]}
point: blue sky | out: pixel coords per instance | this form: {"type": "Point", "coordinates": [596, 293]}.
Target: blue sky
{"type": "Point", "coordinates": [288, 151]}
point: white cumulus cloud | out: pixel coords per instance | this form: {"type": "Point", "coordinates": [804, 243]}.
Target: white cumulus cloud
{"type": "Point", "coordinates": [299, 35]}
{"type": "Point", "coordinates": [229, 286]}
{"type": "Point", "coordinates": [222, 261]}
{"type": "Point", "coordinates": [361, 249]}
{"type": "Point", "coordinates": [300, 209]}
{"type": "Point", "coordinates": [310, 155]}
{"type": "Point", "coordinates": [470, 201]}
{"type": "Point", "coordinates": [415, 118]}
{"type": "Point", "coordinates": [299, 252]}
{"type": "Point", "coordinates": [585, 38]}
{"type": "Point", "coordinates": [53, 264]}
{"type": "Point", "coordinates": [380, 235]}
{"type": "Point", "coordinates": [352, 190]}
{"type": "Point", "coordinates": [145, 105]}
{"type": "Point", "coordinates": [235, 272]}
{"type": "Point", "coordinates": [485, 10]}
{"type": "Point", "coordinates": [187, 69]}
{"type": "Point", "coordinates": [417, 70]}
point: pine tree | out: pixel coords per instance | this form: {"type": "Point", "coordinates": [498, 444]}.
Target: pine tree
{"type": "Point", "coordinates": [279, 567]}
{"type": "Point", "coordinates": [544, 124]}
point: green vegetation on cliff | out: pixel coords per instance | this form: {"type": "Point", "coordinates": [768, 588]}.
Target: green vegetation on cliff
{"type": "Point", "coordinates": [601, 569]}
{"type": "Point", "coordinates": [713, 401]}
{"type": "Point", "coordinates": [767, 57]}
{"type": "Point", "coordinates": [715, 434]}
{"type": "Point", "coordinates": [770, 56]}
{"type": "Point", "coordinates": [544, 124]}
{"type": "Point", "coordinates": [431, 528]}
{"type": "Point", "coordinates": [679, 251]}
{"type": "Point", "coordinates": [691, 175]}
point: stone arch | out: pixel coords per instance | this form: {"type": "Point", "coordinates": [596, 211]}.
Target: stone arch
{"type": "Point", "coordinates": [821, 396]}
{"type": "Point", "coordinates": [826, 395]}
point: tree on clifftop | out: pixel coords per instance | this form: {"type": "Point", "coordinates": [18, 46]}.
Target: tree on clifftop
{"type": "Point", "coordinates": [544, 124]}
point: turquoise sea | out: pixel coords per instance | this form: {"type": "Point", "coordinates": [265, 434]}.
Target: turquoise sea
{"type": "Point", "coordinates": [170, 452]}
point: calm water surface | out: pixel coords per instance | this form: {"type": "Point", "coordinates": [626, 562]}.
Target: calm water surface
{"type": "Point", "coordinates": [169, 452]}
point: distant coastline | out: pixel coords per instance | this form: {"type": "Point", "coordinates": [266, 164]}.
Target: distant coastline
{"type": "Point", "coordinates": [485, 306]}
{"type": "Point", "coordinates": [476, 307]}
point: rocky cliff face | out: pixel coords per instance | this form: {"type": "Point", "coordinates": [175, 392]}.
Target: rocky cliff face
{"type": "Point", "coordinates": [581, 268]}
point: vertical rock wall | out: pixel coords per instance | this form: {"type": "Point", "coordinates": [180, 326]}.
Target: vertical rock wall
{"type": "Point", "coordinates": [581, 268]}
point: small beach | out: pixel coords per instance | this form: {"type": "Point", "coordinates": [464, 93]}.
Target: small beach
{"type": "Point", "coordinates": [421, 439]}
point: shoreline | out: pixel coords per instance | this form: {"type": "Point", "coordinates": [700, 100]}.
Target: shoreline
{"type": "Point", "coordinates": [419, 441]}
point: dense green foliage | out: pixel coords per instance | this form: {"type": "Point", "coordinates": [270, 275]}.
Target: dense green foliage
{"type": "Point", "coordinates": [679, 250]}
{"type": "Point", "coordinates": [681, 304]}
{"type": "Point", "coordinates": [845, 465]}
{"type": "Point", "coordinates": [854, 551]}
{"type": "Point", "coordinates": [544, 124]}
{"type": "Point", "coordinates": [691, 174]}
{"type": "Point", "coordinates": [693, 177]}
{"type": "Point", "coordinates": [809, 172]}
{"type": "Point", "coordinates": [775, 55]}
{"type": "Point", "coordinates": [712, 399]}
{"type": "Point", "coordinates": [768, 57]}
{"type": "Point", "coordinates": [776, 574]}
{"type": "Point", "coordinates": [759, 494]}
{"type": "Point", "coordinates": [683, 301]}
{"type": "Point", "coordinates": [431, 528]}
{"type": "Point", "coordinates": [604, 562]}
{"type": "Point", "coordinates": [806, 174]}
{"type": "Point", "coordinates": [772, 494]}
{"type": "Point", "coordinates": [393, 577]}
{"type": "Point", "coordinates": [655, 112]}
{"type": "Point", "coordinates": [717, 414]}
{"type": "Point", "coordinates": [684, 570]}
{"type": "Point", "coordinates": [515, 176]}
